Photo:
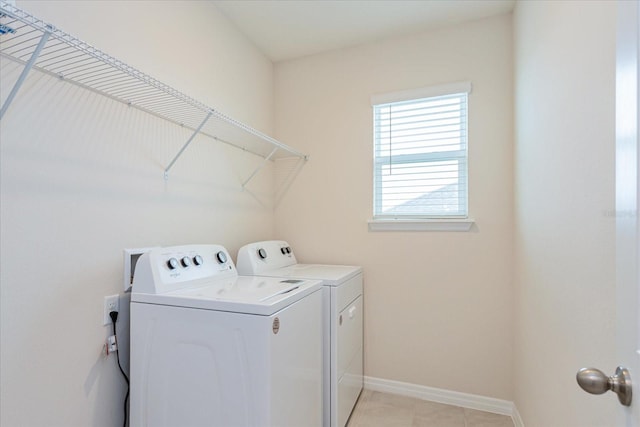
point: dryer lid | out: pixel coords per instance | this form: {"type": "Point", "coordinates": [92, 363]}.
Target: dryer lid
{"type": "Point", "coordinates": [331, 275]}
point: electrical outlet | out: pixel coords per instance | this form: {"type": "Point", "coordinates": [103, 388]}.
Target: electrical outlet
{"type": "Point", "coordinates": [111, 303]}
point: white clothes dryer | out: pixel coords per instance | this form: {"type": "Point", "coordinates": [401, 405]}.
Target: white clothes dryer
{"type": "Point", "coordinates": [211, 348]}
{"type": "Point", "coordinates": [342, 320]}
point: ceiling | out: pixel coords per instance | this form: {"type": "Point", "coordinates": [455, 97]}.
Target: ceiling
{"type": "Point", "coordinates": [287, 29]}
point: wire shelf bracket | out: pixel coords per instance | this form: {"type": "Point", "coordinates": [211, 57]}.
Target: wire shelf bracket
{"type": "Point", "coordinates": [25, 71]}
{"type": "Point", "coordinates": [184, 147]}
{"type": "Point", "coordinates": [259, 168]}
{"type": "Point", "coordinates": [40, 46]}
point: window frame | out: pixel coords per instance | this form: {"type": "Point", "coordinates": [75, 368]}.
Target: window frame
{"type": "Point", "coordinates": [420, 222]}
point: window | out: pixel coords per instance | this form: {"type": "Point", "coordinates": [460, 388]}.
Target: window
{"type": "Point", "coordinates": [420, 153]}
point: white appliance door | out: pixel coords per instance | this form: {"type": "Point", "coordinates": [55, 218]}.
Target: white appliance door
{"type": "Point", "coordinates": [350, 359]}
{"type": "Point", "coordinates": [346, 349]}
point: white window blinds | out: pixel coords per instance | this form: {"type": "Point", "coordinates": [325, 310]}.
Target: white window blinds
{"type": "Point", "coordinates": [420, 154]}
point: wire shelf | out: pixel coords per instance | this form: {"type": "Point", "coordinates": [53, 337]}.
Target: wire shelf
{"type": "Point", "coordinates": [41, 46]}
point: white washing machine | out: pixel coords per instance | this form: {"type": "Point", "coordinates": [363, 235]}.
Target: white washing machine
{"type": "Point", "coordinates": [211, 348]}
{"type": "Point", "coordinates": [342, 320]}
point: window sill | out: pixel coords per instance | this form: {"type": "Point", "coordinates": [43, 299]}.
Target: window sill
{"type": "Point", "coordinates": [421, 224]}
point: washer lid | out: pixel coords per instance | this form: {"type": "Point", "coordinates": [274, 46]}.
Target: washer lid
{"type": "Point", "coordinates": [331, 275]}
{"type": "Point", "coordinates": [241, 294]}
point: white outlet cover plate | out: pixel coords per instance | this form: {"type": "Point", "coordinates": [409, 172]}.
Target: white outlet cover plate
{"type": "Point", "coordinates": [111, 303]}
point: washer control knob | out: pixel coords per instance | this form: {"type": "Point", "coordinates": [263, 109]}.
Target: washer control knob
{"type": "Point", "coordinates": [288, 249]}
{"type": "Point", "coordinates": [262, 253]}
{"type": "Point", "coordinates": [185, 261]}
{"type": "Point", "coordinates": [197, 260]}
{"type": "Point", "coordinates": [172, 263]}
{"type": "Point", "coordinates": [283, 250]}
{"type": "Point", "coordinates": [221, 257]}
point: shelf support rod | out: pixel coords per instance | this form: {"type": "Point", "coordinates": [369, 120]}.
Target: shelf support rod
{"type": "Point", "coordinates": [25, 71]}
{"type": "Point", "coordinates": [259, 168]}
{"type": "Point", "coordinates": [184, 147]}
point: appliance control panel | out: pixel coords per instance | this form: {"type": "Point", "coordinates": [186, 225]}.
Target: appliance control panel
{"type": "Point", "coordinates": [260, 257]}
{"type": "Point", "coordinates": [181, 267]}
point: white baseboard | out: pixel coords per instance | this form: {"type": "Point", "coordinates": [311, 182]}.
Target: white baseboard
{"type": "Point", "coordinates": [465, 400]}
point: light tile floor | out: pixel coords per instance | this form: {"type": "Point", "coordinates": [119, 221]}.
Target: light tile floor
{"type": "Point", "coordinates": [375, 409]}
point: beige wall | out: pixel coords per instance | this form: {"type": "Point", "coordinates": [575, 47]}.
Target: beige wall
{"type": "Point", "coordinates": [564, 157]}
{"type": "Point", "coordinates": [82, 178]}
{"type": "Point", "coordinates": [437, 304]}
